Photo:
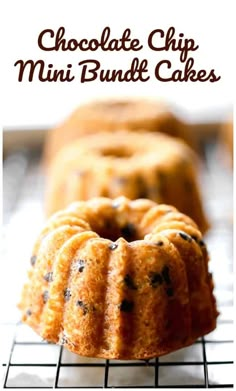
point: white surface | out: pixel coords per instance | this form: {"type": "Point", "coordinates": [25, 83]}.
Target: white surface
{"type": "Point", "coordinates": [210, 23]}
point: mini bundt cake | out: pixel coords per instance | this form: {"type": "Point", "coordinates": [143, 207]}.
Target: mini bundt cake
{"type": "Point", "coordinates": [226, 138]}
{"type": "Point", "coordinates": [120, 279]}
{"type": "Point", "coordinates": [114, 114]}
{"type": "Point", "coordinates": [142, 165]}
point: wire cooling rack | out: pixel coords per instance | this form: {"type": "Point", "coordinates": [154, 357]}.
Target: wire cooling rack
{"type": "Point", "coordinates": [29, 362]}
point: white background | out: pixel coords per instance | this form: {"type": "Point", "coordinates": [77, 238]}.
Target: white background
{"type": "Point", "coordinates": [210, 23]}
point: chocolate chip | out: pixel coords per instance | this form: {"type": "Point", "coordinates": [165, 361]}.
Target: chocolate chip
{"type": "Point", "coordinates": [113, 246]}
{"type": "Point", "coordinates": [28, 312]}
{"type": "Point", "coordinates": [202, 244]}
{"type": "Point", "coordinates": [165, 274]}
{"type": "Point", "coordinates": [48, 277]}
{"type": "Point", "coordinates": [155, 279]}
{"type": "Point", "coordinates": [185, 236]}
{"type": "Point", "coordinates": [169, 292]}
{"type": "Point", "coordinates": [84, 307]}
{"type": "Point", "coordinates": [129, 282]}
{"type": "Point", "coordinates": [33, 260]}
{"type": "Point", "coordinates": [93, 308]}
{"type": "Point", "coordinates": [159, 243]}
{"type": "Point", "coordinates": [199, 241]}
{"type": "Point", "coordinates": [63, 340]}
{"type": "Point", "coordinates": [79, 265]}
{"type": "Point", "coordinates": [128, 231]}
{"type": "Point", "coordinates": [126, 306]}
{"type": "Point", "coordinates": [45, 296]}
{"type": "Point", "coordinates": [67, 294]}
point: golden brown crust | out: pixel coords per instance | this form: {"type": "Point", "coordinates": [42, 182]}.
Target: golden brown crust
{"type": "Point", "coordinates": [142, 165]}
{"type": "Point", "coordinates": [112, 115]}
{"type": "Point", "coordinates": [120, 279]}
{"type": "Point", "coordinates": [227, 134]}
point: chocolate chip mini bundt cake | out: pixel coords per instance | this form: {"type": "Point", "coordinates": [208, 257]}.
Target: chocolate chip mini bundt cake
{"type": "Point", "coordinates": [120, 279]}
{"type": "Point", "coordinates": [114, 114]}
{"type": "Point", "coordinates": [226, 139]}
{"type": "Point", "coordinates": [142, 165]}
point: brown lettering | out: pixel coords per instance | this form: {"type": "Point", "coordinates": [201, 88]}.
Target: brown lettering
{"type": "Point", "coordinates": [157, 70]}
{"type": "Point", "coordinates": [105, 43]}
{"type": "Point", "coordinates": [44, 73]}
{"type": "Point", "coordinates": [93, 71]}
{"type": "Point", "coordinates": [137, 72]}
{"type": "Point", "coordinates": [187, 74]}
{"type": "Point", "coordinates": [170, 43]}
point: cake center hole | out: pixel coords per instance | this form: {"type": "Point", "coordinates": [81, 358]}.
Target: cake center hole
{"type": "Point", "coordinates": [115, 152]}
{"type": "Point", "coordinates": [112, 231]}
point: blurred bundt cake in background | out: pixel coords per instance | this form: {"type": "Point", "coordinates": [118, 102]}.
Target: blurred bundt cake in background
{"type": "Point", "coordinates": [133, 164]}
{"type": "Point", "coordinates": [113, 114]}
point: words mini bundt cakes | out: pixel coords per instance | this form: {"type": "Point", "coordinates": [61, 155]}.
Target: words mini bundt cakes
{"type": "Point", "coordinates": [113, 114]}
{"type": "Point", "coordinates": [136, 165]}
{"type": "Point", "coordinates": [120, 279]}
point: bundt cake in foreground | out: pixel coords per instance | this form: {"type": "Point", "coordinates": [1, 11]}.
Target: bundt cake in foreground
{"type": "Point", "coordinates": [135, 165]}
{"type": "Point", "coordinates": [120, 279]}
{"type": "Point", "coordinates": [113, 114]}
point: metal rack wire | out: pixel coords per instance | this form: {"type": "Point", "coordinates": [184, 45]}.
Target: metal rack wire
{"type": "Point", "coordinates": [208, 363]}
{"type": "Point", "coordinates": [154, 381]}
